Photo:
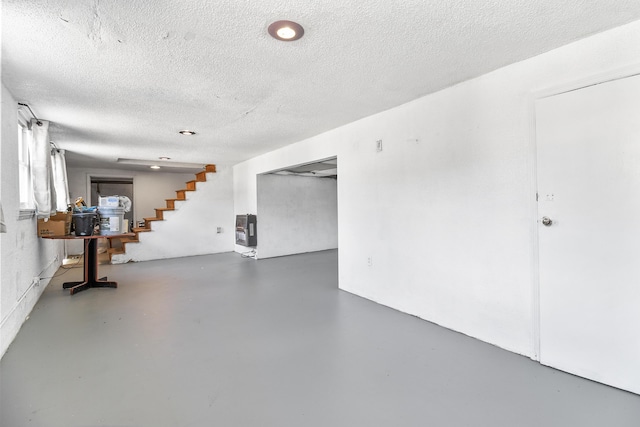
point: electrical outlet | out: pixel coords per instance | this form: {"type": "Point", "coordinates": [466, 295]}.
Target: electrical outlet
{"type": "Point", "coordinates": [219, 230]}
{"type": "Point", "coordinates": [379, 145]}
{"type": "Point", "coordinates": [369, 261]}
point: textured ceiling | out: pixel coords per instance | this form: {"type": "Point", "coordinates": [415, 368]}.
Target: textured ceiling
{"type": "Point", "coordinates": [119, 79]}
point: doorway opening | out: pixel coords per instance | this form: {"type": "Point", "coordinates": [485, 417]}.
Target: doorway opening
{"type": "Point", "coordinates": [298, 209]}
{"type": "Point", "coordinates": [113, 186]}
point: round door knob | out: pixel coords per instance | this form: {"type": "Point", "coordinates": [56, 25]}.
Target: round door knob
{"type": "Point", "coordinates": [546, 221]}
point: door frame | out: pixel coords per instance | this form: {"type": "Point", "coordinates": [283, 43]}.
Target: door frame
{"type": "Point", "coordinates": [91, 176]}
{"type": "Point", "coordinates": [577, 84]}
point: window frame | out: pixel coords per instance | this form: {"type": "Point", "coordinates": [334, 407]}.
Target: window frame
{"type": "Point", "coordinates": [25, 189]}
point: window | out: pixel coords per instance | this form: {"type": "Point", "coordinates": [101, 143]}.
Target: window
{"type": "Point", "coordinates": [24, 172]}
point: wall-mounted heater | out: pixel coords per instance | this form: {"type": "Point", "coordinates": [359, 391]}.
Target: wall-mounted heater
{"type": "Point", "coordinates": [246, 231]}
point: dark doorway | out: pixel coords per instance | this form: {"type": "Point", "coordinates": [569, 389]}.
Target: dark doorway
{"type": "Point", "coordinates": [112, 186]}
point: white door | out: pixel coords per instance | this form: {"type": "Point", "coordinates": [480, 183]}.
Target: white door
{"type": "Point", "coordinates": [588, 144]}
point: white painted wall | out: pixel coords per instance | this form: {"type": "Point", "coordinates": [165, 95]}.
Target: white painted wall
{"type": "Point", "coordinates": [296, 214]}
{"type": "Point", "coordinates": [192, 228]}
{"type": "Point", "coordinates": [22, 254]}
{"type": "Point", "coordinates": [447, 210]}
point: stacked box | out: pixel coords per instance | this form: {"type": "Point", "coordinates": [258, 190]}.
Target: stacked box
{"type": "Point", "coordinates": [109, 202]}
{"type": "Point", "coordinates": [57, 225]}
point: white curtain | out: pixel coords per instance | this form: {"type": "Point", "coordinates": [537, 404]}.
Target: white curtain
{"type": "Point", "coordinates": [3, 226]}
{"type": "Point", "coordinates": [41, 172]}
{"type": "Point", "coordinates": [60, 183]}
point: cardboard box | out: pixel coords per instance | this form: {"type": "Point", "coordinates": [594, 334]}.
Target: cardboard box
{"type": "Point", "coordinates": [57, 225]}
{"type": "Point", "coordinates": [109, 201]}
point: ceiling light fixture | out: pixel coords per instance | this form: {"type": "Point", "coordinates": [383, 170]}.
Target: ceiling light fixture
{"type": "Point", "coordinates": [187, 132]}
{"type": "Point", "coordinates": [196, 167]}
{"type": "Point", "coordinates": [286, 31]}
{"type": "Point", "coordinates": [164, 158]}
{"type": "Point", "coordinates": [155, 167]}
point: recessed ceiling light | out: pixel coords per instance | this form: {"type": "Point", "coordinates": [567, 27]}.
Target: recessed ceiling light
{"type": "Point", "coordinates": [164, 158]}
{"type": "Point", "coordinates": [155, 167]}
{"type": "Point", "coordinates": [286, 31]}
{"type": "Point", "coordinates": [187, 132]}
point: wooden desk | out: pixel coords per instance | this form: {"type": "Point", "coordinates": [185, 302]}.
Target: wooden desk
{"type": "Point", "coordinates": [90, 262]}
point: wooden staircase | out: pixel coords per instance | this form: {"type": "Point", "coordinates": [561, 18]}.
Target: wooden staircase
{"type": "Point", "coordinates": [180, 195]}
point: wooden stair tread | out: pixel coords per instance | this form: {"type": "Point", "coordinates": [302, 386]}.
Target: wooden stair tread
{"type": "Point", "coordinates": [140, 229]}
{"type": "Point", "coordinates": [160, 212]}
{"type": "Point", "coordinates": [153, 219]}
{"type": "Point", "coordinates": [115, 251]}
{"type": "Point", "coordinates": [210, 168]}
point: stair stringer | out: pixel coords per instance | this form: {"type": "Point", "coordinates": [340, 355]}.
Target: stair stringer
{"type": "Point", "coordinates": [190, 229]}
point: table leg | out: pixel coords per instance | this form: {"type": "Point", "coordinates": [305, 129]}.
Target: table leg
{"type": "Point", "coordinates": [90, 271]}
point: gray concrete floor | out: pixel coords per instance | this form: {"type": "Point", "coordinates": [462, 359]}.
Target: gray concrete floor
{"type": "Point", "coordinates": [228, 341]}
